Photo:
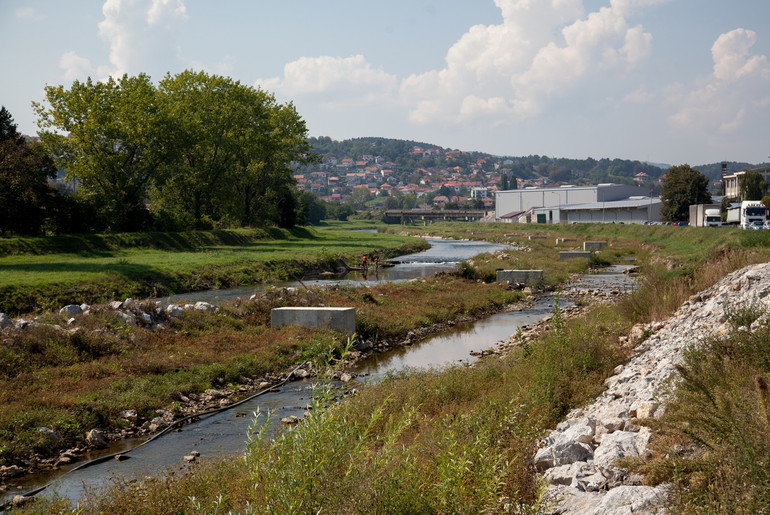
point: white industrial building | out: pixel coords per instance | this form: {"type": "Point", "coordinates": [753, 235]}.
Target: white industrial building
{"type": "Point", "coordinates": [604, 203]}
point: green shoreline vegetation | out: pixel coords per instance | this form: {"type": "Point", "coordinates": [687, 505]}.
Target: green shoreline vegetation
{"type": "Point", "coordinates": [48, 272]}
{"type": "Point", "coordinates": [452, 440]}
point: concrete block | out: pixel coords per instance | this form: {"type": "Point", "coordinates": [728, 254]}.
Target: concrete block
{"type": "Point", "coordinates": [533, 237]}
{"type": "Point", "coordinates": [564, 240]}
{"type": "Point", "coordinates": [570, 254]}
{"type": "Point", "coordinates": [531, 277]}
{"type": "Point", "coordinates": [342, 319]}
{"type": "Point", "coordinates": [594, 245]}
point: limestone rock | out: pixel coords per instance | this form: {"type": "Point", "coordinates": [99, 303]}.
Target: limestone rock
{"type": "Point", "coordinates": [71, 310]}
{"type": "Point", "coordinates": [174, 311]}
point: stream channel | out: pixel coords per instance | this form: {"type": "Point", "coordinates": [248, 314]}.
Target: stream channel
{"type": "Point", "coordinates": [225, 433]}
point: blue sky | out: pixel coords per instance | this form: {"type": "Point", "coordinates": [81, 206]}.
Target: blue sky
{"type": "Point", "coordinates": [667, 81]}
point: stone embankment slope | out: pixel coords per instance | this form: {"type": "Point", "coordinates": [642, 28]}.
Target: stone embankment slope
{"type": "Point", "coordinates": [578, 457]}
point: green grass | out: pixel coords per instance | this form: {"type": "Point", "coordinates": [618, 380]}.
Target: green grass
{"type": "Point", "coordinates": [116, 267]}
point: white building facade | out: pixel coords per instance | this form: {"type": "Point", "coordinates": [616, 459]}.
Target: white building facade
{"type": "Point", "coordinates": [604, 203]}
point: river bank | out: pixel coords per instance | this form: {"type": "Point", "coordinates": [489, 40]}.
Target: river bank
{"type": "Point", "coordinates": [143, 415]}
{"type": "Point", "coordinates": [46, 273]}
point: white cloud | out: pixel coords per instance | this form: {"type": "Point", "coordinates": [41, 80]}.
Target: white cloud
{"type": "Point", "coordinates": [74, 66]}
{"type": "Point", "coordinates": [136, 30]}
{"type": "Point", "coordinates": [334, 80]}
{"type": "Point", "coordinates": [737, 90]}
{"type": "Point", "coordinates": [731, 55]}
{"type": "Point", "coordinates": [540, 52]}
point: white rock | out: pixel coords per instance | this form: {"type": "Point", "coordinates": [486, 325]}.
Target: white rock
{"type": "Point", "coordinates": [632, 500]}
{"type": "Point", "coordinates": [71, 310]}
{"type": "Point", "coordinates": [617, 445]}
{"type": "Point", "coordinates": [130, 415]}
{"type": "Point", "coordinates": [204, 306]}
{"type": "Point", "coordinates": [174, 311]}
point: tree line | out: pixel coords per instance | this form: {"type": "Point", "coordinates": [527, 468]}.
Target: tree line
{"type": "Point", "coordinates": [195, 151]}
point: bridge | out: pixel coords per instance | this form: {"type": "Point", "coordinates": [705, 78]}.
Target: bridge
{"type": "Point", "coordinates": [411, 216]}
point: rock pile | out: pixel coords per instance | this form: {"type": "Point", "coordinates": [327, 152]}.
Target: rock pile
{"type": "Point", "coordinates": [579, 457]}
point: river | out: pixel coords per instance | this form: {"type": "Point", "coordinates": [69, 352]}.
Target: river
{"type": "Point", "coordinates": [225, 433]}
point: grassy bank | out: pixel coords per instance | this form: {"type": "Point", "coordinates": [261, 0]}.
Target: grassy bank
{"type": "Point", "coordinates": [457, 440]}
{"type": "Point", "coordinates": [73, 381]}
{"type": "Point", "coordinates": [47, 273]}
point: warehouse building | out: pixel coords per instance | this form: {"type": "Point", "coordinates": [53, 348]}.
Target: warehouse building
{"type": "Point", "coordinates": [604, 203]}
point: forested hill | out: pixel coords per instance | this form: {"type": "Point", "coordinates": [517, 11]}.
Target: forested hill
{"type": "Point", "coordinates": [409, 155]}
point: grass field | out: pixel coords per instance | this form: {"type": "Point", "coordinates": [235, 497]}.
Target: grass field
{"type": "Point", "coordinates": [39, 274]}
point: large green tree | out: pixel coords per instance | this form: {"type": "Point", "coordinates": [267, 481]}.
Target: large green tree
{"type": "Point", "coordinates": [26, 199]}
{"type": "Point", "coordinates": [753, 185]}
{"type": "Point", "coordinates": [682, 187]}
{"type": "Point", "coordinates": [200, 149]}
{"type": "Point", "coordinates": [112, 137]}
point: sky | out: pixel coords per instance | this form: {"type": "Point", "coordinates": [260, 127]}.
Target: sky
{"type": "Point", "coordinates": [663, 81]}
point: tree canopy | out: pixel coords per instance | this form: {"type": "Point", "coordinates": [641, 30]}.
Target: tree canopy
{"type": "Point", "coordinates": [752, 185]}
{"type": "Point", "coordinates": [682, 187]}
{"type": "Point", "coordinates": [26, 200]}
{"type": "Point", "coordinates": [197, 150]}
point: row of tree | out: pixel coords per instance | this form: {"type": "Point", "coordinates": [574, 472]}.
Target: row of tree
{"type": "Point", "coordinates": [194, 151]}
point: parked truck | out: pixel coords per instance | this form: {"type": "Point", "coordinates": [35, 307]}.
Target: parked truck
{"type": "Point", "coordinates": [749, 214]}
{"type": "Point", "coordinates": [705, 215]}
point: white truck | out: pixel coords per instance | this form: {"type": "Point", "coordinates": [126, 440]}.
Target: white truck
{"type": "Point", "coordinates": [705, 215]}
{"type": "Point", "coordinates": [748, 215]}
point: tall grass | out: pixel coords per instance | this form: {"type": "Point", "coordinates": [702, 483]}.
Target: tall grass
{"type": "Point", "coordinates": [713, 442]}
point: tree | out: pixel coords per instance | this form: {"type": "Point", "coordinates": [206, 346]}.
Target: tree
{"type": "Point", "coordinates": [752, 185]}
{"type": "Point", "coordinates": [114, 143]}
{"type": "Point", "coordinates": [359, 197]}
{"type": "Point", "coordinates": [682, 187]}
{"type": "Point", "coordinates": [26, 198]}
{"type": "Point", "coordinates": [311, 209]}
{"type": "Point", "coordinates": [203, 150]}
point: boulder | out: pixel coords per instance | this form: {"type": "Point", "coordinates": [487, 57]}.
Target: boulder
{"type": "Point", "coordinates": [127, 317]}
{"type": "Point", "coordinates": [617, 445]}
{"type": "Point", "coordinates": [157, 424]}
{"type": "Point", "coordinates": [630, 500]}
{"type": "Point", "coordinates": [71, 310]}
{"type": "Point", "coordinates": [204, 306]}
{"type": "Point", "coordinates": [562, 452]}
{"type": "Point", "coordinates": [5, 321]}
{"type": "Point", "coordinates": [130, 415]}
{"type": "Point", "coordinates": [96, 438]}
{"type": "Point", "coordinates": [174, 310]}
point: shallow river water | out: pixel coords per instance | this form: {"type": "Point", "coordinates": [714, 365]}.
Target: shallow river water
{"type": "Point", "coordinates": [225, 433]}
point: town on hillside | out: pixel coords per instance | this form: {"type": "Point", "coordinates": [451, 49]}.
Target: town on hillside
{"type": "Point", "coordinates": [379, 173]}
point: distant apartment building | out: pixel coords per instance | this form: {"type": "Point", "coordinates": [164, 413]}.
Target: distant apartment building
{"type": "Point", "coordinates": [732, 182]}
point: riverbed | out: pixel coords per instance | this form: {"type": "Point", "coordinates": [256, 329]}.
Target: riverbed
{"type": "Point", "coordinates": [225, 433]}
